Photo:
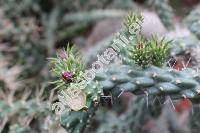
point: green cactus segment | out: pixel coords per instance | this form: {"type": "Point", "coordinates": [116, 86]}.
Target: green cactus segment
{"type": "Point", "coordinates": [152, 81]}
{"type": "Point", "coordinates": [193, 21]}
{"type": "Point", "coordinates": [93, 92]}
{"type": "Point", "coordinates": [76, 122]}
{"type": "Point", "coordinates": [164, 11]}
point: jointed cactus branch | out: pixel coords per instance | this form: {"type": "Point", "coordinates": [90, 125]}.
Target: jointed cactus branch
{"type": "Point", "coordinates": [152, 80]}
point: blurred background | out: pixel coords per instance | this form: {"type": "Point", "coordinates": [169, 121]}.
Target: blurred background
{"type": "Point", "coordinates": [33, 30]}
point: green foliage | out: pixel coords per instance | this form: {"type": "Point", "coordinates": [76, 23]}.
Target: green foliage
{"type": "Point", "coordinates": [67, 61]}
{"type": "Point", "coordinates": [141, 53]}
{"type": "Point", "coordinates": [159, 51]}
{"type": "Point", "coordinates": [133, 18]}
{"type": "Point", "coordinates": [145, 53]}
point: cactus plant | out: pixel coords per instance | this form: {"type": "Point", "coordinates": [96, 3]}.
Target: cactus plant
{"type": "Point", "coordinates": [32, 30]}
{"type": "Point", "coordinates": [153, 79]}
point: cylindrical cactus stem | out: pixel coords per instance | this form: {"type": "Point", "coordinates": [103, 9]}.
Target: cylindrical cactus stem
{"type": "Point", "coordinates": [152, 81]}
